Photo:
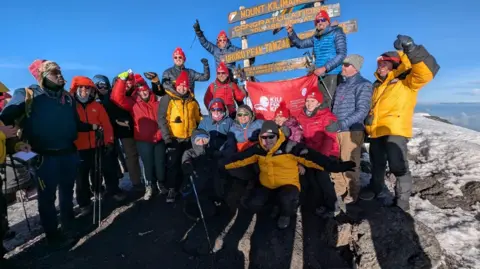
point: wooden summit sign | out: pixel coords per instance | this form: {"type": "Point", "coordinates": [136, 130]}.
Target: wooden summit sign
{"type": "Point", "coordinates": [281, 44]}
{"type": "Point", "coordinates": [266, 8]}
{"type": "Point", "coordinates": [300, 16]}
{"type": "Point", "coordinates": [281, 66]}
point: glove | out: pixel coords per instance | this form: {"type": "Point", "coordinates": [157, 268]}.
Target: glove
{"type": "Point", "coordinates": [170, 143]}
{"type": "Point", "coordinates": [125, 75]}
{"type": "Point", "coordinates": [204, 61]}
{"type": "Point", "coordinates": [404, 43]}
{"type": "Point", "coordinates": [187, 168]}
{"type": "Point", "coordinates": [333, 127]}
{"type": "Point", "coordinates": [196, 27]}
{"type": "Point", "coordinates": [339, 166]}
{"type": "Point", "coordinates": [150, 75]}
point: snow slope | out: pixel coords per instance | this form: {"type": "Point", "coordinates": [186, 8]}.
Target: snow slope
{"type": "Point", "coordinates": [437, 148]}
{"type": "Point", "coordinates": [455, 152]}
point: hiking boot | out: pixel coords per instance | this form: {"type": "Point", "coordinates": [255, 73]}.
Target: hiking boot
{"type": "Point", "coordinates": [84, 211]}
{"type": "Point", "coordinates": [283, 222]}
{"type": "Point", "coordinates": [386, 198]}
{"type": "Point", "coordinates": [367, 195]}
{"type": "Point", "coordinates": [171, 196]}
{"type": "Point", "coordinates": [161, 189]}
{"type": "Point", "coordinates": [148, 193]}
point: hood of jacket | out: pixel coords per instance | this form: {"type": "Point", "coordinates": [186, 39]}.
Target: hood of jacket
{"type": "Point", "coordinates": [199, 150]}
{"type": "Point", "coordinates": [252, 119]}
{"type": "Point", "coordinates": [214, 100]}
{"type": "Point", "coordinates": [82, 81]}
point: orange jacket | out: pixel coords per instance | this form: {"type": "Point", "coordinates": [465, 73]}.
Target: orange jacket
{"type": "Point", "coordinates": [91, 112]}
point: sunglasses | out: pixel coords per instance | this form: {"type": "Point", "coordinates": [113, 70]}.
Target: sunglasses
{"type": "Point", "coordinates": [217, 109]}
{"type": "Point", "coordinates": [85, 87]}
{"type": "Point", "coordinates": [178, 57]}
{"type": "Point", "coordinates": [346, 64]}
{"type": "Point", "coordinates": [320, 20]}
{"type": "Point", "coordinates": [269, 137]}
{"type": "Point", "coordinates": [243, 114]}
{"type": "Point", "coordinates": [221, 73]}
{"type": "Point", "coordinates": [222, 40]}
{"type": "Point", "coordinates": [101, 84]}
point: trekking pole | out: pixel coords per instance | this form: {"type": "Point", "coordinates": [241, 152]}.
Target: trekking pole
{"type": "Point", "coordinates": [97, 202]}
{"type": "Point", "coordinates": [18, 189]}
{"type": "Point", "coordinates": [201, 212]}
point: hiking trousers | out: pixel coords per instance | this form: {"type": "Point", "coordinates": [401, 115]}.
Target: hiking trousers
{"type": "Point", "coordinates": [348, 183]}
{"type": "Point", "coordinates": [327, 85]}
{"type": "Point", "coordinates": [174, 164]}
{"type": "Point", "coordinates": [132, 160]}
{"type": "Point", "coordinates": [286, 197]}
{"type": "Point", "coordinates": [56, 171]}
{"type": "Point", "coordinates": [153, 159]}
{"type": "Point", "coordinates": [393, 149]}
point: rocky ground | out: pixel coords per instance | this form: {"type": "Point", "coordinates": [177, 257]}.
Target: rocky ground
{"type": "Point", "coordinates": [441, 234]}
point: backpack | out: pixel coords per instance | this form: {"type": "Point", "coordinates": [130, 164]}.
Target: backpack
{"type": "Point", "coordinates": [230, 84]}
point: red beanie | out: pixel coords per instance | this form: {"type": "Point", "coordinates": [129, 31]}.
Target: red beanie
{"type": "Point", "coordinates": [35, 67]}
{"type": "Point", "coordinates": [282, 111]}
{"type": "Point", "coordinates": [179, 51]}
{"type": "Point", "coordinates": [182, 79]}
{"type": "Point", "coordinates": [222, 34]}
{"type": "Point", "coordinates": [142, 85]}
{"type": "Point", "coordinates": [222, 67]}
{"type": "Point", "coordinates": [217, 105]}
{"type": "Point", "coordinates": [315, 94]}
{"type": "Point", "coordinates": [322, 14]}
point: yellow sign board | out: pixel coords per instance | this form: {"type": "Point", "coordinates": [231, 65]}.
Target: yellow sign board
{"type": "Point", "coordinates": [281, 66]}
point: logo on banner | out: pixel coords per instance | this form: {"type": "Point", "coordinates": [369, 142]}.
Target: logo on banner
{"type": "Point", "coordinates": [304, 91]}
{"type": "Point", "coordinates": [268, 103]}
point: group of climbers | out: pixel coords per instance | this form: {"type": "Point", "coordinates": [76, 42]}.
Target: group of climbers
{"type": "Point", "coordinates": [316, 153]}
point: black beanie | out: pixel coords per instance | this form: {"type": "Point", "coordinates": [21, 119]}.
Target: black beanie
{"type": "Point", "coordinates": [269, 127]}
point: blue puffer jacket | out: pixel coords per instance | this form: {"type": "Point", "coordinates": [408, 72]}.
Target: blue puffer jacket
{"type": "Point", "coordinates": [351, 102]}
{"type": "Point", "coordinates": [53, 123]}
{"type": "Point", "coordinates": [218, 53]}
{"type": "Point", "coordinates": [220, 136]}
{"type": "Point", "coordinates": [329, 48]}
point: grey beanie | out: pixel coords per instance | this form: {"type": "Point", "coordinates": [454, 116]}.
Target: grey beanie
{"type": "Point", "coordinates": [355, 60]}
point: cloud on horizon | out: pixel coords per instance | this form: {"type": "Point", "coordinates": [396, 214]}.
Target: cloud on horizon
{"type": "Point", "coordinates": [473, 92]}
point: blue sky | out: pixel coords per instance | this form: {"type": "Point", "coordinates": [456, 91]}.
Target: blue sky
{"type": "Point", "coordinates": [90, 37]}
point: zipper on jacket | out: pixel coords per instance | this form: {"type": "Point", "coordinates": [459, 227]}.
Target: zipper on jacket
{"type": "Point", "coordinates": [86, 117]}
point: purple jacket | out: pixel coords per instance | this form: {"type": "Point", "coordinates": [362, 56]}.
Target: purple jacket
{"type": "Point", "coordinates": [296, 132]}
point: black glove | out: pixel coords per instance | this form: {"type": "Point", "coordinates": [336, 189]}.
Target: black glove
{"type": "Point", "coordinates": [339, 166]}
{"type": "Point", "coordinates": [204, 61]}
{"type": "Point", "coordinates": [404, 43]}
{"type": "Point", "coordinates": [187, 168]}
{"type": "Point", "coordinates": [196, 27]}
{"type": "Point", "coordinates": [170, 143]}
{"type": "Point", "coordinates": [332, 127]}
{"type": "Point", "coordinates": [150, 75]}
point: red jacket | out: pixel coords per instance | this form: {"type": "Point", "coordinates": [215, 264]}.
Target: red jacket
{"type": "Point", "coordinates": [93, 113]}
{"type": "Point", "coordinates": [228, 91]}
{"type": "Point", "coordinates": [144, 114]}
{"type": "Point", "coordinates": [315, 135]}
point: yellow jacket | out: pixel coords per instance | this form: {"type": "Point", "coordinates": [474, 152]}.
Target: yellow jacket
{"type": "Point", "coordinates": [394, 99]}
{"type": "Point", "coordinates": [178, 116]}
{"type": "Point", "coordinates": [278, 166]}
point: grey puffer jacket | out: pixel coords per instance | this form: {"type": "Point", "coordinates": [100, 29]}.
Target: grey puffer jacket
{"type": "Point", "coordinates": [170, 76]}
{"type": "Point", "coordinates": [218, 53]}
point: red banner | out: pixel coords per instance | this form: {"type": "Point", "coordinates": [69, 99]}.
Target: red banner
{"type": "Point", "coordinates": [267, 96]}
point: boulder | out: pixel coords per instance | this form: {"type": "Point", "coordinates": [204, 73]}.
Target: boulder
{"type": "Point", "coordinates": [389, 238]}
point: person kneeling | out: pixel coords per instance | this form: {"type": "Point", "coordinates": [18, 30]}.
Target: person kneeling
{"type": "Point", "coordinates": [197, 165]}
{"type": "Point", "coordinates": [278, 159]}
